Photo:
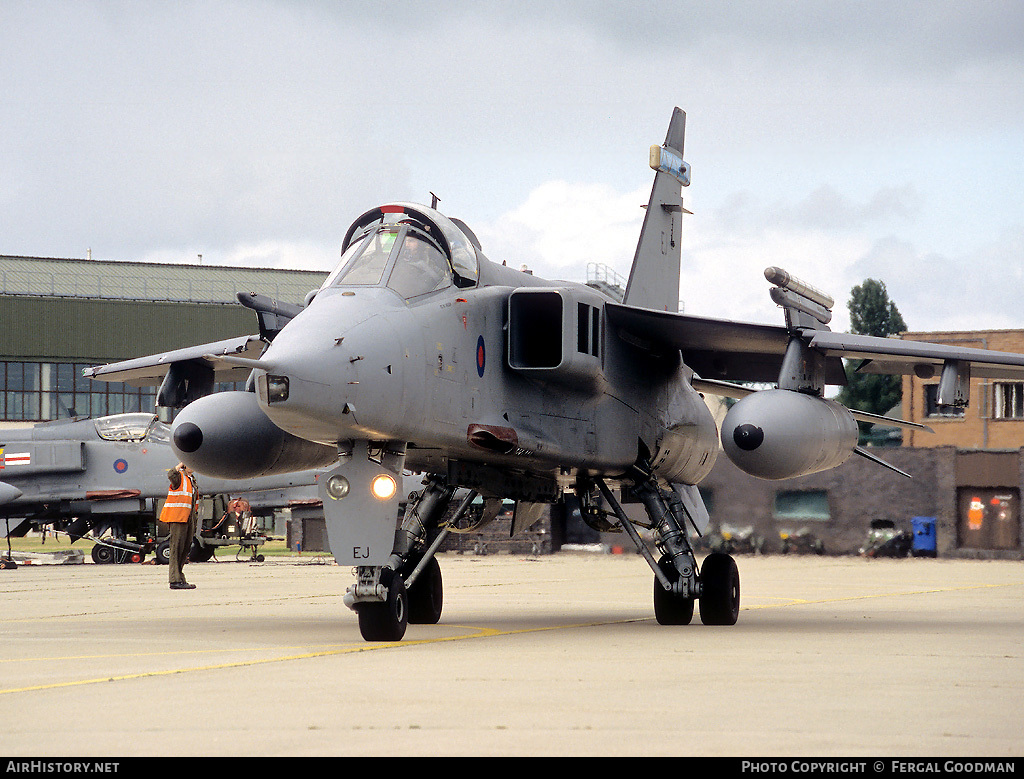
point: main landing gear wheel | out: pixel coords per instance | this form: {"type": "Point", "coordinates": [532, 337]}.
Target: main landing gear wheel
{"type": "Point", "coordinates": [670, 608]}
{"type": "Point", "coordinates": [426, 593]}
{"type": "Point", "coordinates": [387, 620]}
{"type": "Point", "coordinates": [720, 590]}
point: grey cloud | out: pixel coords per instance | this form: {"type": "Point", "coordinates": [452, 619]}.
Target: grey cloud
{"type": "Point", "coordinates": [824, 208]}
{"type": "Point", "coordinates": [980, 288]}
{"type": "Point", "coordinates": [146, 126]}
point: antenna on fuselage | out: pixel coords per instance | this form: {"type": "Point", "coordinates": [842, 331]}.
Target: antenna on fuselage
{"type": "Point", "coordinates": [434, 200]}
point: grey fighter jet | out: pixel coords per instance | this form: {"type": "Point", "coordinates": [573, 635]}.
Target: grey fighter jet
{"type": "Point", "coordinates": [420, 353]}
{"type": "Point", "coordinates": [105, 476]}
{"type": "Point", "coordinates": [88, 475]}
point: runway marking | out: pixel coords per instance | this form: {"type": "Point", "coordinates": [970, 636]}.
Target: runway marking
{"type": "Point", "coordinates": [364, 647]}
{"type": "Point", "coordinates": [477, 633]}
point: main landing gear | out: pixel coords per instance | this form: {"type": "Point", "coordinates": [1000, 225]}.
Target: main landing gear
{"type": "Point", "coordinates": [677, 583]}
{"type": "Point", "coordinates": [409, 589]}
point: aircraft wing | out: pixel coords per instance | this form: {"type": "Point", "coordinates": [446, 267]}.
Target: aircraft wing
{"type": "Point", "coordinates": [150, 371]}
{"type": "Point", "coordinates": [740, 351]}
{"type": "Point", "coordinates": [713, 348]}
{"type": "Point", "coordinates": [897, 356]}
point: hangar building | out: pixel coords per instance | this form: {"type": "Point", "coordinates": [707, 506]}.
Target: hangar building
{"type": "Point", "coordinates": [61, 315]}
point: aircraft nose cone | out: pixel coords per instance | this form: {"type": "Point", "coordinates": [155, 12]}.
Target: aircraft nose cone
{"type": "Point", "coordinates": [188, 437]}
{"type": "Point", "coordinates": [748, 437]}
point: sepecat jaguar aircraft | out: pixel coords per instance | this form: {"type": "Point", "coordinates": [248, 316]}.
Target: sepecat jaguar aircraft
{"type": "Point", "coordinates": [420, 354]}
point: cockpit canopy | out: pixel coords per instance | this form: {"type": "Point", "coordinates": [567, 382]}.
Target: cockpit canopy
{"type": "Point", "coordinates": [413, 250]}
{"type": "Point", "coordinates": [132, 427]}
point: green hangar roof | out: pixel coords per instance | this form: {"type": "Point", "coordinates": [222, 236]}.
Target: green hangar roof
{"type": "Point", "coordinates": [89, 311]}
{"type": "Point", "coordinates": [115, 280]}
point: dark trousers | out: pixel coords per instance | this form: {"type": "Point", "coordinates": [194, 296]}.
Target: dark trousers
{"type": "Point", "coordinates": [180, 543]}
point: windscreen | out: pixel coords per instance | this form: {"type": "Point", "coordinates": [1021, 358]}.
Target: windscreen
{"type": "Point", "coordinates": [419, 268]}
{"type": "Point", "coordinates": [409, 261]}
{"type": "Point", "coordinates": [365, 261]}
{"type": "Point", "coordinates": [159, 433]}
{"type": "Point", "coordinates": [452, 237]}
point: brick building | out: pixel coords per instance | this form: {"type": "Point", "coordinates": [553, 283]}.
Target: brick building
{"type": "Point", "coordinates": [967, 474]}
{"type": "Point", "coordinates": [973, 496]}
{"type": "Point", "coordinates": [994, 418]}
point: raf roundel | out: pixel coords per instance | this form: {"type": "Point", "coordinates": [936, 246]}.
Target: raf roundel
{"type": "Point", "coordinates": [121, 465]}
{"type": "Point", "coordinates": [480, 357]}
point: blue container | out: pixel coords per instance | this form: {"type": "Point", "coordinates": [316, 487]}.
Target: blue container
{"type": "Point", "coordinates": [924, 537]}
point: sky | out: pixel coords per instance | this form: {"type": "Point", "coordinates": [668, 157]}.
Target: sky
{"type": "Point", "coordinates": [838, 140]}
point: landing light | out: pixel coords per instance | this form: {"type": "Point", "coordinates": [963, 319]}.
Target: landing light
{"type": "Point", "coordinates": [337, 487]}
{"type": "Point", "coordinates": [383, 487]}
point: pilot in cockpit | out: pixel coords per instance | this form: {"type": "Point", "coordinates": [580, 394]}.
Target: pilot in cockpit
{"type": "Point", "coordinates": [419, 268]}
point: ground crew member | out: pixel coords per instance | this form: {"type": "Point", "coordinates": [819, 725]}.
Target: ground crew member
{"type": "Point", "coordinates": [179, 513]}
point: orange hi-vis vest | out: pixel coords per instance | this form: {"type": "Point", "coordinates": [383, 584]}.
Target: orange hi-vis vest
{"type": "Point", "coordinates": [178, 506]}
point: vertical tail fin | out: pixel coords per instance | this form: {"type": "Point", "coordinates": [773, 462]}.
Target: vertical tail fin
{"type": "Point", "coordinates": [654, 277]}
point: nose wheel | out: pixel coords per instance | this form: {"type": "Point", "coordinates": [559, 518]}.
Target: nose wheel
{"type": "Point", "coordinates": [385, 620]}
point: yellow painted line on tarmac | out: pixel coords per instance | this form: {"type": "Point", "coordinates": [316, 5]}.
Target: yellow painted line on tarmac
{"type": "Point", "coordinates": [476, 633]}
{"type": "Point", "coordinates": [362, 647]}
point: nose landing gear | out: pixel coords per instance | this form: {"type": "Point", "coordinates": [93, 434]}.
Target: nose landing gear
{"type": "Point", "coordinates": [385, 620]}
{"type": "Point", "coordinates": [409, 589]}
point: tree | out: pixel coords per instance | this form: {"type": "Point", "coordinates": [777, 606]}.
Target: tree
{"type": "Point", "coordinates": [872, 313]}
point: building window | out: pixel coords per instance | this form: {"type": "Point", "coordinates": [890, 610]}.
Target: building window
{"type": "Point", "coordinates": [802, 505]}
{"type": "Point", "coordinates": [933, 409]}
{"type": "Point", "coordinates": [1008, 400]}
{"type": "Point", "coordinates": [44, 391]}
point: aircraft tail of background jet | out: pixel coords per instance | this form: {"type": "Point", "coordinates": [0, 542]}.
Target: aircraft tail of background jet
{"type": "Point", "coordinates": [654, 277]}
